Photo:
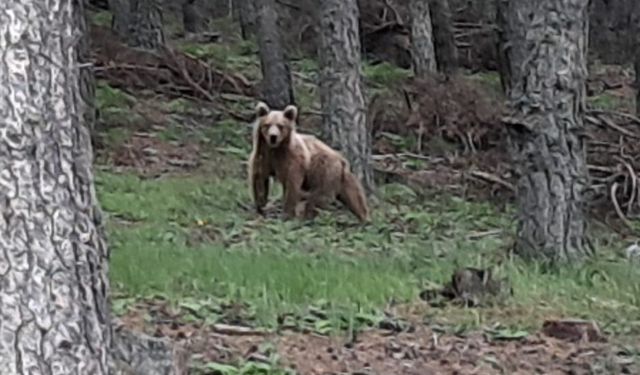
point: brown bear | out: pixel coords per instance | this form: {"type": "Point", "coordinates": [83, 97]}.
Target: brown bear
{"type": "Point", "coordinates": [307, 168]}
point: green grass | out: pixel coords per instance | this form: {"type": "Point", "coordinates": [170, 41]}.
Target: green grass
{"type": "Point", "coordinates": [194, 239]}
{"type": "Point", "coordinates": [384, 75]}
{"type": "Point", "coordinates": [188, 237]}
{"type": "Point", "coordinates": [610, 102]}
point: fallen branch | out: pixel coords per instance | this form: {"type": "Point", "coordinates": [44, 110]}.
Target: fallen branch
{"type": "Point", "coordinates": [230, 330]}
{"type": "Point", "coordinates": [608, 122]}
{"type": "Point", "coordinates": [616, 206]}
{"type": "Point", "coordinates": [493, 178]}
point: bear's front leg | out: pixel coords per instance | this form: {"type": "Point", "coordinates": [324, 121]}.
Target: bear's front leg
{"type": "Point", "coordinates": [260, 191]}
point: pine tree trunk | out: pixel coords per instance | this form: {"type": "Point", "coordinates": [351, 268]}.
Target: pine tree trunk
{"type": "Point", "coordinates": [422, 50]}
{"type": "Point", "coordinates": [343, 104]}
{"type": "Point", "coordinates": [636, 66]}
{"type": "Point", "coordinates": [121, 17]}
{"type": "Point", "coordinates": [190, 17]}
{"type": "Point", "coordinates": [54, 315]}
{"type": "Point", "coordinates": [53, 264]}
{"type": "Point", "coordinates": [147, 25]}
{"type": "Point", "coordinates": [247, 14]}
{"type": "Point", "coordinates": [277, 89]}
{"type": "Point", "coordinates": [547, 59]}
{"type": "Point", "coordinates": [502, 34]}
{"type": "Point", "coordinates": [443, 36]}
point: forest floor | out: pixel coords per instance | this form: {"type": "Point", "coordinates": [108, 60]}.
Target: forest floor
{"type": "Point", "coordinates": [249, 295]}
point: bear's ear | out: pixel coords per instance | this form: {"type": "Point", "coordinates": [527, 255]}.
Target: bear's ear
{"type": "Point", "coordinates": [291, 113]}
{"type": "Point", "coordinates": [262, 109]}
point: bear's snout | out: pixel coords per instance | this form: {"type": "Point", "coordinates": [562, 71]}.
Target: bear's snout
{"type": "Point", "coordinates": [273, 139]}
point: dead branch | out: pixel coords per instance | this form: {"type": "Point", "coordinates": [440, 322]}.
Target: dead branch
{"type": "Point", "coordinates": [493, 178]}
{"type": "Point", "coordinates": [616, 206]}
{"type": "Point", "coordinates": [230, 330]}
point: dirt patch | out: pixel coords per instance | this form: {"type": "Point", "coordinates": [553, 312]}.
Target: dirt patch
{"type": "Point", "coordinates": [167, 72]}
{"type": "Point", "coordinates": [421, 352]}
{"type": "Point", "coordinates": [148, 155]}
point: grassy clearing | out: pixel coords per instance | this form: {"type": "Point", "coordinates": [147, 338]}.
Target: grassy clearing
{"type": "Point", "coordinates": [190, 237]}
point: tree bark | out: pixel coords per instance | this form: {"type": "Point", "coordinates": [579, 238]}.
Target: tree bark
{"type": "Point", "coordinates": [636, 66]}
{"type": "Point", "coordinates": [502, 34]}
{"type": "Point", "coordinates": [190, 17]}
{"type": "Point", "coordinates": [53, 264]}
{"type": "Point", "coordinates": [444, 38]}
{"type": "Point", "coordinates": [247, 17]}
{"type": "Point", "coordinates": [343, 104]}
{"type": "Point", "coordinates": [422, 49]}
{"type": "Point", "coordinates": [546, 93]}
{"type": "Point", "coordinates": [54, 260]}
{"type": "Point", "coordinates": [147, 25]}
{"type": "Point", "coordinates": [277, 89]}
{"type": "Point", "coordinates": [121, 17]}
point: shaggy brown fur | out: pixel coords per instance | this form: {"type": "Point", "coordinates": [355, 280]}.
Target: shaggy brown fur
{"type": "Point", "coordinates": [305, 166]}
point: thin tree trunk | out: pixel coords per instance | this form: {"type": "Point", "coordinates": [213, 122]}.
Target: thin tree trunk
{"type": "Point", "coordinates": [277, 89]}
{"type": "Point", "coordinates": [444, 38]}
{"type": "Point", "coordinates": [343, 104]}
{"type": "Point", "coordinates": [547, 57]}
{"type": "Point", "coordinates": [636, 66]}
{"type": "Point", "coordinates": [247, 14]}
{"type": "Point", "coordinates": [121, 17]}
{"type": "Point", "coordinates": [53, 264]}
{"type": "Point", "coordinates": [190, 17]}
{"type": "Point", "coordinates": [635, 43]}
{"type": "Point", "coordinates": [503, 32]}
{"type": "Point", "coordinates": [147, 25]}
{"type": "Point", "coordinates": [422, 49]}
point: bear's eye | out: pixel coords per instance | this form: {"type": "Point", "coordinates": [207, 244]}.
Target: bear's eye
{"type": "Point", "coordinates": [280, 126]}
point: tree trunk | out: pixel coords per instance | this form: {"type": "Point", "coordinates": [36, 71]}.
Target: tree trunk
{"type": "Point", "coordinates": [422, 50]}
{"type": "Point", "coordinates": [343, 105]}
{"type": "Point", "coordinates": [636, 66]}
{"type": "Point", "coordinates": [277, 89]}
{"type": "Point", "coordinates": [121, 17]}
{"type": "Point", "coordinates": [147, 27]}
{"type": "Point", "coordinates": [247, 14]}
{"type": "Point", "coordinates": [635, 43]}
{"type": "Point", "coordinates": [54, 264]}
{"type": "Point", "coordinates": [546, 93]}
{"type": "Point", "coordinates": [502, 34]}
{"type": "Point", "coordinates": [444, 38]}
{"type": "Point", "coordinates": [190, 17]}
{"type": "Point", "coordinates": [54, 314]}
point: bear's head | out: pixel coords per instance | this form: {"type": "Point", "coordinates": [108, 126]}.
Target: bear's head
{"type": "Point", "coordinates": [276, 127]}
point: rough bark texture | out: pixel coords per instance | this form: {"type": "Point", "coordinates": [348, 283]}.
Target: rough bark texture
{"type": "Point", "coordinates": [422, 50]}
{"type": "Point", "coordinates": [443, 36]}
{"type": "Point", "coordinates": [636, 66]}
{"type": "Point", "coordinates": [343, 105]}
{"type": "Point", "coordinates": [147, 25]}
{"type": "Point", "coordinates": [53, 264]}
{"type": "Point", "coordinates": [247, 16]}
{"type": "Point", "coordinates": [277, 89]}
{"type": "Point", "coordinates": [546, 92]}
{"type": "Point", "coordinates": [121, 17]}
{"type": "Point", "coordinates": [190, 17]}
{"type": "Point", "coordinates": [502, 34]}
{"type": "Point", "coordinates": [636, 54]}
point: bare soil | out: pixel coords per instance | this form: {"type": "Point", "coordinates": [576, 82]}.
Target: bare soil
{"type": "Point", "coordinates": [419, 350]}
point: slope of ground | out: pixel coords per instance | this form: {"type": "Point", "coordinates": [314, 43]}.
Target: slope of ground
{"type": "Point", "coordinates": [250, 295]}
